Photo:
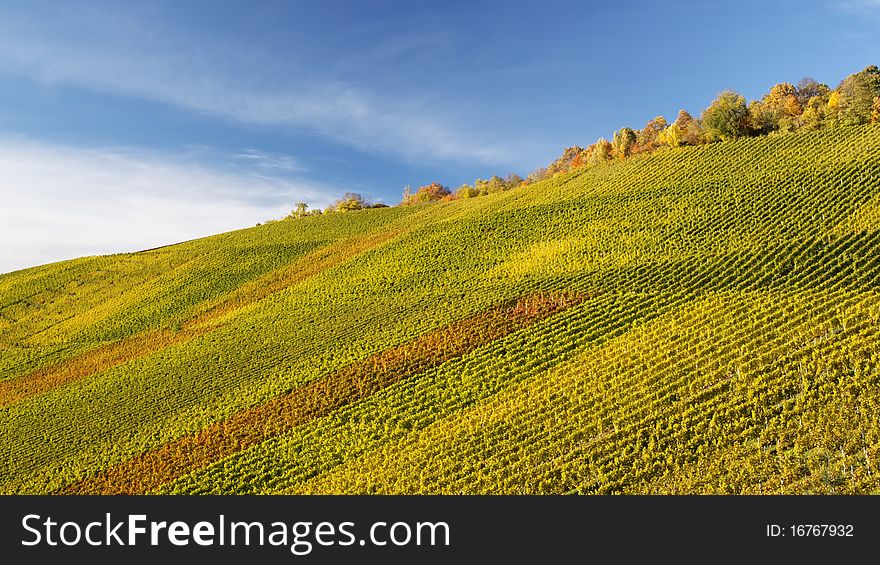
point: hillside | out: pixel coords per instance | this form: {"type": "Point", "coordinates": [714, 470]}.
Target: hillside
{"type": "Point", "coordinates": [700, 319]}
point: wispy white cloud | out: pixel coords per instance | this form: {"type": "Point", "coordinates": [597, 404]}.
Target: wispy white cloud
{"type": "Point", "coordinates": [861, 7]}
{"type": "Point", "coordinates": [62, 202]}
{"type": "Point", "coordinates": [120, 56]}
{"type": "Point", "coordinates": [270, 161]}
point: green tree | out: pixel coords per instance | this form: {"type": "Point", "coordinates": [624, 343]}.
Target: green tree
{"type": "Point", "coordinates": [349, 201]}
{"type": "Point", "coordinates": [854, 98]}
{"type": "Point", "coordinates": [466, 191]}
{"type": "Point", "coordinates": [494, 184]}
{"type": "Point", "coordinates": [353, 201]}
{"type": "Point", "coordinates": [814, 114]}
{"type": "Point", "coordinates": [762, 118]}
{"type": "Point", "coordinates": [727, 117]}
{"type": "Point", "coordinates": [300, 210]}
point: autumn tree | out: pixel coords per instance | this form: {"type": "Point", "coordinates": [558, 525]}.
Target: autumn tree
{"type": "Point", "coordinates": [875, 111]}
{"type": "Point", "coordinates": [352, 201]}
{"type": "Point", "coordinates": [494, 184]}
{"type": "Point", "coordinates": [428, 193]}
{"type": "Point", "coordinates": [512, 180]}
{"type": "Point", "coordinates": [648, 138]}
{"type": "Point", "coordinates": [783, 97]}
{"type": "Point", "coordinates": [671, 136]}
{"type": "Point", "coordinates": [538, 174]}
{"type": "Point", "coordinates": [570, 156]}
{"type": "Point", "coordinates": [762, 119]}
{"type": "Point", "coordinates": [813, 98]}
{"type": "Point", "coordinates": [814, 114]}
{"type": "Point", "coordinates": [807, 89]}
{"type": "Point", "coordinates": [778, 110]}
{"type": "Point", "coordinates": [623, 142]}
{"type": "Point", "coordinates": [692, 129]}
{"type": "Point", "coordinates": [349, 201]}
{"type": "Point", "coordinates": [602, 152]}
{"type": "Point", "coordinates": [727, 117]}
{"type": "Point", "coordinates": [685, 130]}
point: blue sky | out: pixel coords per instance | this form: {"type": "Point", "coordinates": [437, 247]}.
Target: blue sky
{"type": "Point", "coordinates": [126, 125]}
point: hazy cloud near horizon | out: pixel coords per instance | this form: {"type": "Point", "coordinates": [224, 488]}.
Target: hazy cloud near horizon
{"type": "Point", "coordinates": [63, 202]}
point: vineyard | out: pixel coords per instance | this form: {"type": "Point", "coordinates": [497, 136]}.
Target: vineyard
{"type": "Point", "coordinates": [696, 320]}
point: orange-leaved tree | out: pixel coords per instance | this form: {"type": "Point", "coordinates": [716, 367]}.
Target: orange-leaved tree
{"type": "Point", "coordinates": [427, 193]}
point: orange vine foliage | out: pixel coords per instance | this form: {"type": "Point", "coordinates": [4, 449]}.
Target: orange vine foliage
{"type": "Point", "coordinates": [349, 384]}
